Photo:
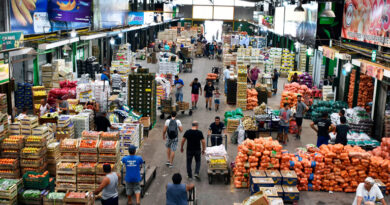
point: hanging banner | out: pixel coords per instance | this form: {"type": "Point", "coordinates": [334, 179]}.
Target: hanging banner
{"type": "Point", "coordinates": [70, 10]}
{"type": "Point", "coordinates": [11, 40]}
{"type": "Point", "coordinates": [366, 21]}
{"type": "Point", "coordinates": [329, 52]}
{"type": "Point", "coordinates": [4, 73]}
{"type": "Point", "coordinates": [372, 69]}
{"type": "Point", "coordinates": [136, 18]}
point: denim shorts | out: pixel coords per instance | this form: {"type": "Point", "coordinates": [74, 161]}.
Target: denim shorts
{"type": "Point", "coordinates": [283, 129]}
{"type": "Point", "coordinates": [132, 188]}
{"type": "Point", "coordinates": [216, 101]}
{"type": "Point", "coordinates": [172, 144]}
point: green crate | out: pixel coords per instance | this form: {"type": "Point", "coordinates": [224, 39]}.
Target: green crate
{"type": "Point", "coordinates": [35, 183]}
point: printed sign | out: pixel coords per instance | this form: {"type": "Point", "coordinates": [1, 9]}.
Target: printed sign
{"type": "Point", "coordinates": [372, 69]}
{"type": "Point", "coordinates": [136, 18]}
{"type": "Point", "coordinates": [367, 21]}
{"type": "Point", "coordinates": [4, 73]}
{"type": "Point", "coordinates": [70, 10]}
{"type": "Point", "coordinates": [329, 52]}
{"type": "Point", "coordinates": [11, 40]}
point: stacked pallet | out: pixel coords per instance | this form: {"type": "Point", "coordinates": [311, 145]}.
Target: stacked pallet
{"type": "Point", "coordinates": [14, 128]}
{"type": "Point", "coordinates": [9, 191]}
{"type": "Point", "coordinates": [11, 146]}
{"type": "Point", "coordinates": [87, 167]}
{"type": "Point", "coordinates": [241, 87]}
{"type": "Point", "coordinates": [66, 168]}
{"type": "Point", "coordinates": [65, 128]}
{"type": "Point", "coordinates": [33, 155]}
{"type": "Point", "coordinates": [50, 77]}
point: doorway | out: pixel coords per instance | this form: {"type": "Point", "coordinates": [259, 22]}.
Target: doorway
{"type": "Point", "coordinates": [213, 30]}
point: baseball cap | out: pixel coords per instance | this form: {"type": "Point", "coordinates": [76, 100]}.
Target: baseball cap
{"type": "Point", "coordinates": [132, 148]}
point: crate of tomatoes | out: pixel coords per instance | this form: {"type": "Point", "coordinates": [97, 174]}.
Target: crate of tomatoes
{"type": "Point", "coordinates": [81, 197]}
{"type": "Point", "coordinates": [7, 163]}
{"type": "Point", "coordinates": [88, 146]}
{"type": "Point", "coordinates": [86, 167]}
{"type": "Point", "coordinates": [69, 145]}
{"type": "Point", "coordinates": [113, 136]}
{"type": "Point", "coordinates": [15, 142]}
{"type": "Point", "coordinates": [108, 146]}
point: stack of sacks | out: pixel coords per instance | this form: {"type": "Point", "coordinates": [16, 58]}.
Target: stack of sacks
{"type": "Point", "coordinates": [306, 79]}
{"type": "Point", "coordinates": [366, 92]}
{"type": "Point", "coordinates": [352, 79]}
{"type": "Point", "coordinates": [383, 150]}
{"type": "Point", "coordinates": [292, 90]}
{"type": "Point", "coordinates": [67, 91]}
{"type": "Point", "coordinates": [260, 154]}
{"type": "Point", "coordinates": [252, 99]}
{"type": "Point", "coordinates": [316, 93]}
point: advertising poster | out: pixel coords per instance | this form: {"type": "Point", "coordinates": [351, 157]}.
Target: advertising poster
{"type": "Point", "coordinates": [136, 18]}
{"type": "Point", "coordinates": [367, 21]}
{"type": "Point", "coordinates": [70, 10]}
{"type": "Point", "coordinates": [110, 13]}
{"type": "Point", "coordinates": [4, 73]}
{"type": "Point", "coordinates": [11, 40]}
{"type": "Point", "coordinates": [29, 16]}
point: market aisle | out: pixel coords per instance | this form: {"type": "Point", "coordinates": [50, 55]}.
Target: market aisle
{"type": "Point", "coordinates": [154, 151]}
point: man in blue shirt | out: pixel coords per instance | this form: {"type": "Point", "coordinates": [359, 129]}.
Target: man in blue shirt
{"type": "Point", "coordinates": [179, 84]}
{"type": "Point", "coordinates": [104, 76]}
{"type": "Point", "coordinates": [133, 165]}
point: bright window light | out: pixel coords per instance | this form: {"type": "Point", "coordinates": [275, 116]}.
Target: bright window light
{"type": "Point", "coordinates": [223, 13]}
{"type": "Point", "coordinates": [224, 2]}
{"type": "Point", "coordinates": [202, 2]}
{"type": "Point", "coordinates": [202, 12]}
{"type": "Point", "coordinates": [244, 3]}
{"type": "Point", "coordinates": [183, 2]}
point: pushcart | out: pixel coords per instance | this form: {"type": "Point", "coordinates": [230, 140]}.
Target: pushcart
{"type": "Point", "coordinates": [220, 169]}
{"type": "Point", "coordinates": [192, 197]}
{"type": "Point", "coordinates": [148, 173]}
{"type": "Point", "coordinates": [217, 70]}
{"type": "Point", "coordinates": [167, 108]}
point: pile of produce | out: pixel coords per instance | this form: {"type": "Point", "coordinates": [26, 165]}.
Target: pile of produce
{"type": "Point", "coordinates": [109, 136]}
{"type": "Point", "coordinates": [88, 144]}
{"type": "Point", "coordinates": [5, 184]}
{"type": "Point", "coordinates": [366, 92]}
{"type": "Point", "coordinates": [69, 144]}
{"type": "Point", "coordinates": [261, 153]}
{"type": "Point", "coordinates": [352, 79]}
{"type": "Point", "coordinates": [261, 109]}
{"type": "Point", "coordinates": [31, 194]}
{"type": "Point", "coordinates": [249, 123]}
{"type": "Point", "coordinates": [305, 79]}
{"type": "Point", "coordinates": [328, 168]}
{"type": "Point", "coordinates": [292, 90]}
{"type": "Point", "coordinates": [383, 150]}
{"type": "Point", "coordinates": [211, 76]}
{"type": "Point", "coordinates": [93, 135]}
{"type": "Point", "coordinates": [318, 107]}
{"type": "Point", "coordinates": [252, 99]}
{"type": "Point", "coordinates": [359, 120]}
{"type": "Point", "coordinates": [234, 114]}
{"type": "Point", "coordinates": [56, 196]}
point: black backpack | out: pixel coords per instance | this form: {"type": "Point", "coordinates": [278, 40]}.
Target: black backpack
{"type": "Point", "coordinates": [172, 130]}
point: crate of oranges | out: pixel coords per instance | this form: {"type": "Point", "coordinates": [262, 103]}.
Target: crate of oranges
{"type": "Point", "coordinates": [88, 146]}
{"type": "Point", "coordinates": [7, 163]}
{"type": "Point", "coordinates": [35, 141]}
{"type": "Point", "coordinates": [13, 142]}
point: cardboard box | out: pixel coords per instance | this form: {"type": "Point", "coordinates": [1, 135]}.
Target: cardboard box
{"type": "Point", "coordinates": [270, 192]}
{"type": "Point", "coordinates": [261, 182]}
{"type": "Point", "coordinates": [289, 178]}
{"type": "Point", "coordinates": [256, 174]}
{"type": "Point", "coordinates": [291, 193]}
{"type": "Point", "coordinates": [279, 190]}
{"type": "Point", "coordinates": [275, 175]}
{"type": "Point", "coordinates": [261, 199]}
{"type": "Point", "coordinates": [275, 201]}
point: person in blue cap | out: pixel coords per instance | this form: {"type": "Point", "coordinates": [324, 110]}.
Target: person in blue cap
{"type": "Point", "coordinates": [133, 164]}
{"type": "Point", "coordinates": [104, 76]}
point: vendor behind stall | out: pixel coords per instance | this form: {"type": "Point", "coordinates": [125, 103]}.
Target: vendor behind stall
{"type": "Point", "coordinates": [44, 108]}
{"type": "Point", "coordinates": [92, 105]}
{"type": "Point", "coordinates": [102, 123]}
{"type": "Point", "coordinates": [63, 106]}
{"type": "Point", "coordinates": [22, 115]}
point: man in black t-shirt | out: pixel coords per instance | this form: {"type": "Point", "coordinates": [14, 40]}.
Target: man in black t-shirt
{"type": "Point", "coordinates": [216, 128]}
{"type": "Point", "coordinates": [324, 127]}
{"type": "Point", "coordinates": [342, 131]}
{"type": "Point", "coordinates": [102, 123]}
{"type": "Point", "coordinates": [194, 138]}
{"type": "Point", "coordinates": [195, 89]}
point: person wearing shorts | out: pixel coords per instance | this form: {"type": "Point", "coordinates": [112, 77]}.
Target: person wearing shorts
{"type": "Point", "coordinates": [284, 123]}
{"type": "Point", "coordinates": [301, 108]}
{"type": "Point", "coordinates": [217, 94]}
{"type": "Point", "coordinates": [208, 94]}
{"type": "Point", "coordinates": [195, 89]}
{"type": "Point", "coordinates": [133, 164]}
{"type": "Point", "coordinates": [171, 144]}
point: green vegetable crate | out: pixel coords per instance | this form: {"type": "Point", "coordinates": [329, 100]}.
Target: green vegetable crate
{"type": "Point", "coordinates": [35, 183]}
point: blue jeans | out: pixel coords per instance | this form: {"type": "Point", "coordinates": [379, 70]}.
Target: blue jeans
{"type": "Point", "coordinates": [226, 86]}
{"type": "Point", "coordinates": [322, 140]}
{"type": "Point", "coordinates": [179, 97]}
{"type": "Point", "coordinates": [190, 155]}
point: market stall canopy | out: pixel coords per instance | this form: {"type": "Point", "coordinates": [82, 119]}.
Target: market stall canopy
{"type": "Point", "coordinates": [55, 42]}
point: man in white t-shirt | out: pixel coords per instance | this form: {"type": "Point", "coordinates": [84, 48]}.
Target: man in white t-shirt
{"type": "Point", "coordinates": [226, 74]}
{"type": "Point", "coordinates": [368, 192]}
{"type": "Point", "coordinates": [171, 133]}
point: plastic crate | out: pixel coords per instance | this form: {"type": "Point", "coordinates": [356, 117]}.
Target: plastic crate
{"type": "Point", "coordinates": [35, 183]}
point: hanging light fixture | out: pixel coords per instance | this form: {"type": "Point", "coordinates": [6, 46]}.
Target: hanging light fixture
{"type": "Point", "coordinates": [328, 12]}
{"type": "Point", "coordinates": [299, 8]}
{"type": "Point", "coordinates": [120, 35]}
{"type": "Point", "coordinates": [309, 51]}
{"type": "Point", "coordinates": [112, 41]}
{"type": "Point", "coordinates": [297, 44]}
{"type": "Point", "coordinates": [348, 66]}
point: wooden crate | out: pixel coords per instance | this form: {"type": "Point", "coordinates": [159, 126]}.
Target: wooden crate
{"type": "Point", "coordinates": [34, 163]}
{"type": "Point", "coordinates": [88, 157]}
{"type": "Point", "coordinates": [69, 156]}
{"type": "Point", "coordinates": [66, 178]}
{"type": "Point", "coordinates": [86, 178]}
{"type": "Point", "coordinates": [65, 186]}
{"type": "Point", "coordinates": [13, 201]}
{"type": "Point", "coordinates": [9, 194]}
{"type": "Point", "coordinates": [47, 201]}
{"type": "Point", "coordinates": [66, 170]}
{"type": "Point", "coordinates": [36, 155]}
{"type": "Point", "coordinates": [88, 199]}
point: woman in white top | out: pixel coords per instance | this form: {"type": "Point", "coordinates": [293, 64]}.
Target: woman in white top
{"type": "Point", "coordinates": [44, 108]}
{"type": "Point", "coordinates": [368, 192]}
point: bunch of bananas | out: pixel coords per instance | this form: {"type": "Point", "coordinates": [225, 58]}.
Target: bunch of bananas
{"type": "Point", "coordinates": [21, 10]}
{"type": "Point", "coordinates": [218, 161]}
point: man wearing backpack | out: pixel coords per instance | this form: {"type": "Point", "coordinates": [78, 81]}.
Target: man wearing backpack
{"type": "Point", "coordinates": [171, 129]}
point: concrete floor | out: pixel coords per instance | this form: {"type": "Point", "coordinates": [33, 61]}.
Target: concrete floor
{"type": "Point", "coordinates": [154, 152]}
